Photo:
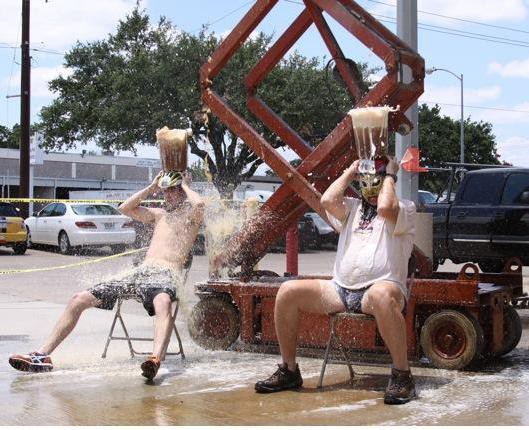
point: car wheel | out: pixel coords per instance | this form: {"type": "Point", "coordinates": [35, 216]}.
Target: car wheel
{"type": "Point", "coordinates": [20, 248]}
{"type": "Point", "coordinates": [451, 339]}
{"type": "Point", "coordinates": [64, 243]}
{"type": "Point", "coordinates": [117, 249]}
{"type": "Point", "coordinates": [29, 243]}
{"type": "Point", "coordinates": [491, 266]}
{"type": "Point", "coordinates": [214, 323]}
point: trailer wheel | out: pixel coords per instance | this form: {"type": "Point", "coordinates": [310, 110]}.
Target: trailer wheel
{"type": "Point", "coordinates": [512, 330]}
{"type": "Point", "coordinates": [214, 323]}
{"type": "Point", "coordinates": [491, 266]}
{"type": "Point", "coordinates": [451, 339]}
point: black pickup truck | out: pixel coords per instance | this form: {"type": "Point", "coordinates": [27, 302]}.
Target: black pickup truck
{"type": "Point", "coordinates": [488, 221]}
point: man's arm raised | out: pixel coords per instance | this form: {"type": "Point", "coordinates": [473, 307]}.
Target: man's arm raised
{"type": "Point", "coordinates": [131, 207]}
{"type": "Point", "coordinates": [332, 199]}
{"type": "Point", "coordinates": [388, 203]}
{"type": "Point", "coordinates": [194, 199]}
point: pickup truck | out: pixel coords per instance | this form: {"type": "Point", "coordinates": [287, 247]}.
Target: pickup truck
{"type": "Point", "coordinates": [488, 221]}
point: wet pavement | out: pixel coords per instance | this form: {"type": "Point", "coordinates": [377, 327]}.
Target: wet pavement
{"type": "Point", "coordinates": [216, 388]}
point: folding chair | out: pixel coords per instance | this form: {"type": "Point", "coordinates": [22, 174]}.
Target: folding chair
{"type": "Point", "coordinates": [129, 339]}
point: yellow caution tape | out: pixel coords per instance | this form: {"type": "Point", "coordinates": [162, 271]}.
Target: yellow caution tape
{"type": "Point", "coordinates": [17, 200]}
{"type": "Point", "coordinates": [67, 266]}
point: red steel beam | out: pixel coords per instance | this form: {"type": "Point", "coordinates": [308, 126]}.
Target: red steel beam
{"type": "Point", "coordinates": [274, 122]}
{"type": "Point", "coordinates": [262, 149]}
{"type": "Point", "coordinates": [334, 49]}
{"type": "Point", "coordinates": [278, 50]}
{"type": "Point", "coordinates": [235, 39]}
{"type": "Point", "coordinates": [352, 22]}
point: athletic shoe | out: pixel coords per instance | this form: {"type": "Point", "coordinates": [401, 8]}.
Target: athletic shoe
{"type": "Point", "coordinates": [32, 362]}
{"type": "Point", "coordinates": [400, 389]}
{"type": "Point", "coordinates": [150, 367]}
{"type": "Point", "coordinates": [282, 379]}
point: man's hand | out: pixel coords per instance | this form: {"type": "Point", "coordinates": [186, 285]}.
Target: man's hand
{"type": "Point", "coordinates": [393, 166]}
{"type": "Point", "coordinates": [154, 185]}
{"type": "Point", "coordinates": [353, 168]}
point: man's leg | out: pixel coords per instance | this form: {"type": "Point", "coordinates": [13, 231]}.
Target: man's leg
{"type": "Point", "coordinates": [40, 361]}
{"type": "Point", "coordinates": [293, 297]}
{"type": "Point", "coordinates": [163, 324]}
{"type": "Point", "coordinates": [385, 301]}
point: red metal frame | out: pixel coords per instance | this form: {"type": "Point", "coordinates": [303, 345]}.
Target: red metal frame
{"type": "Point", "coordinates": [302, 186]}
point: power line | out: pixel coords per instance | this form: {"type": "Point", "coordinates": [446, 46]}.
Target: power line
{"type": "Point", "coordinates": [446, 30]}
{"type": "Point", "coordinates": [207, 24]}
{"type": "Point", "coordinates": [476, 107]}
{"type": "Point", "coordinates": [458, 19]}
{"type": "Point", "coordinates": [461, 31]}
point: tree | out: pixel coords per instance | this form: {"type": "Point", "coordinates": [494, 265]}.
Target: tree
{"type": "Point", "coordinates": [439, 142]}
{"type": "Point", "coordinates": [143, 77]}
{"type": "Point", "coordinates": [10, 138]}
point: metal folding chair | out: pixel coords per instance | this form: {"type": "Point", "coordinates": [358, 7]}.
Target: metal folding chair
{"type": "Point", "coordinates": [129, 339]}
{"type": "Point", "coordinates": [119, 317]}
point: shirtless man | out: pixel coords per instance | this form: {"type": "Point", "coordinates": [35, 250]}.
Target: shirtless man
{"type": "Point", "coordinates": [154, 282]}
{"type": "Point", "coordinates": [376, 240]}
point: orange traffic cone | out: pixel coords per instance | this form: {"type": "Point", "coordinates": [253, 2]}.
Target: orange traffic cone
{"type": "Point", "coordinates": [410, 161]}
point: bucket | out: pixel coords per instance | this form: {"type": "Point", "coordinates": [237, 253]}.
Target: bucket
{"type": "Point", "coordinates": [173, 148]}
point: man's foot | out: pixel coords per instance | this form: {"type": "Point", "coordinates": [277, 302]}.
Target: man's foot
{"type": "Point", "coordinates": [400, 389]}
{"type": "Point", "coordinates": [149, 368]}
{"type": "Point", "coordinates": [32, 362]}
{"type": "Point", "coordinates": [282, 379]}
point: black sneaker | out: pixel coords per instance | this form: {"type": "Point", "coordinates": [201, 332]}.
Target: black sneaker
{"type": "Point", "coordinates": [282, 379]}
{"type": "Point", "coordinates": [400, 389]}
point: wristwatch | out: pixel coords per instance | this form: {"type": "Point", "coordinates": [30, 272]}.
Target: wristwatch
{"type": "Point", "coordinates": [392, 175]}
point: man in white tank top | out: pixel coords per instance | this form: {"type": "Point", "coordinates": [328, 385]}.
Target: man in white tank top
{"type": "Point", "coordinates": [376, 240]}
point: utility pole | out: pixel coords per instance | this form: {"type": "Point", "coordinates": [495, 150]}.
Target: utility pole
{"type": "Point", "coordinates": [25, 87]}
{"type": "Point", "coordinates": [408, 183]}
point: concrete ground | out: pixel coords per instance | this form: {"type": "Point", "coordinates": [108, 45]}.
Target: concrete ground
{"type": "Point", "coordinates": [212, 388]}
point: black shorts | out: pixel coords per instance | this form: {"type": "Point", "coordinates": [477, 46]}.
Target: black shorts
{"type": "Point", "coordinates": [351, 299]}
{"type": "Point", "coordinates": [143, 284]}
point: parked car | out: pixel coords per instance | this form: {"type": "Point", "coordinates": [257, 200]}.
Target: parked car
{"type": "Point", "coordinates": [307, 235]}
{"type": "Point", "coordinates": [12, 229]}
{"type": "Point", "coordinates": [326, 234]}
{"type": "Point", "coordinates": [487, 223]}
{"type": "Point", "coordinates": [69, 225]}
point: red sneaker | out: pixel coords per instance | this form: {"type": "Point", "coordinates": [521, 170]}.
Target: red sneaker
{"type": "Point", "coordinates": [32, 362]}
{"type": "Point", "coordinates": [149, 367]}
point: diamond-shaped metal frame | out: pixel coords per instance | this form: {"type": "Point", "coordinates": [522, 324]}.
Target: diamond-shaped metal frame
{"type": "Point", "coordinates": [325, 162]}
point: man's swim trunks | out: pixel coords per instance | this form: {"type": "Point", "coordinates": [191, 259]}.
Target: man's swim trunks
{"type": "Point", "coordinates": [143, 283]}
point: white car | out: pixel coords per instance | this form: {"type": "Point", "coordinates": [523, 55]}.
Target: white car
{"type": "Point", "coordinates": [67, 225]}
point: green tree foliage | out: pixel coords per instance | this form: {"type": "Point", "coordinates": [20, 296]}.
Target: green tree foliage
{"type": "Point", "coordinates": [9, 138]}
{"type": "Point", "coordinates": [439, 142]}
{"type": "Point", "coordinates": [143, 77]}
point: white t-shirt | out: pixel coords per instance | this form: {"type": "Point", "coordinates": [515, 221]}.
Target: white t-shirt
{"type": "Point", "coordinates": [378, 251]}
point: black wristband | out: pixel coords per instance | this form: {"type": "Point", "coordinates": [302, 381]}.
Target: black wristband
{"type": "Point", "coordinates": [392, 175]}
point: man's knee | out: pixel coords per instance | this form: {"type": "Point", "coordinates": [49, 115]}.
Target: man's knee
{"type": "Point", "coordinates": [287, 291]}
{"type": "Point", "coordinates": [382, 299]}
{"type": "Point", "coordinates": [162, 303]}
{"type": "Point", "coordinates": [82, 300]}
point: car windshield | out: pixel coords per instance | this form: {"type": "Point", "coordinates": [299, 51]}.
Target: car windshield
{"type": "Point", "coordinates": [8, 210]}
{"type": "Point", "coordinates": [318, 220]}
{"type": "Point", "coordinates": [94, 210]}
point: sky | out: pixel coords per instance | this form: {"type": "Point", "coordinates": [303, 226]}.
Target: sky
{"type": "Point", "coordinates": [485, 40]}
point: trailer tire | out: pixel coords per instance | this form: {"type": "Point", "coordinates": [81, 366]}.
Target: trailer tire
{"type": "Point", "coordinates": [512, 330]}
{"type": "Point", "coordinates": [491, 266]}
{"type": "Point", "coordinates": [214, 323]}
{"type": "Point", "coordinates": [451, 339]}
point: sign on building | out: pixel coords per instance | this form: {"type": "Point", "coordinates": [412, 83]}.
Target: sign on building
{"type": "Point", "coordinates": [36, 154]}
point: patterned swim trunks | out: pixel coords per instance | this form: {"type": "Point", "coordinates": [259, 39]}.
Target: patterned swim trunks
{"type": "Point", "coordinates": [143, 284]}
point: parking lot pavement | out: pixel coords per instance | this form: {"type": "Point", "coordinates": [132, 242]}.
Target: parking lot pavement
{"type": "Point", "coordinates": [212, 388]}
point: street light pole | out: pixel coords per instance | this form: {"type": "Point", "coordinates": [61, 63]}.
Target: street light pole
{"type": "Point", "coordinates": [462, 119]}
